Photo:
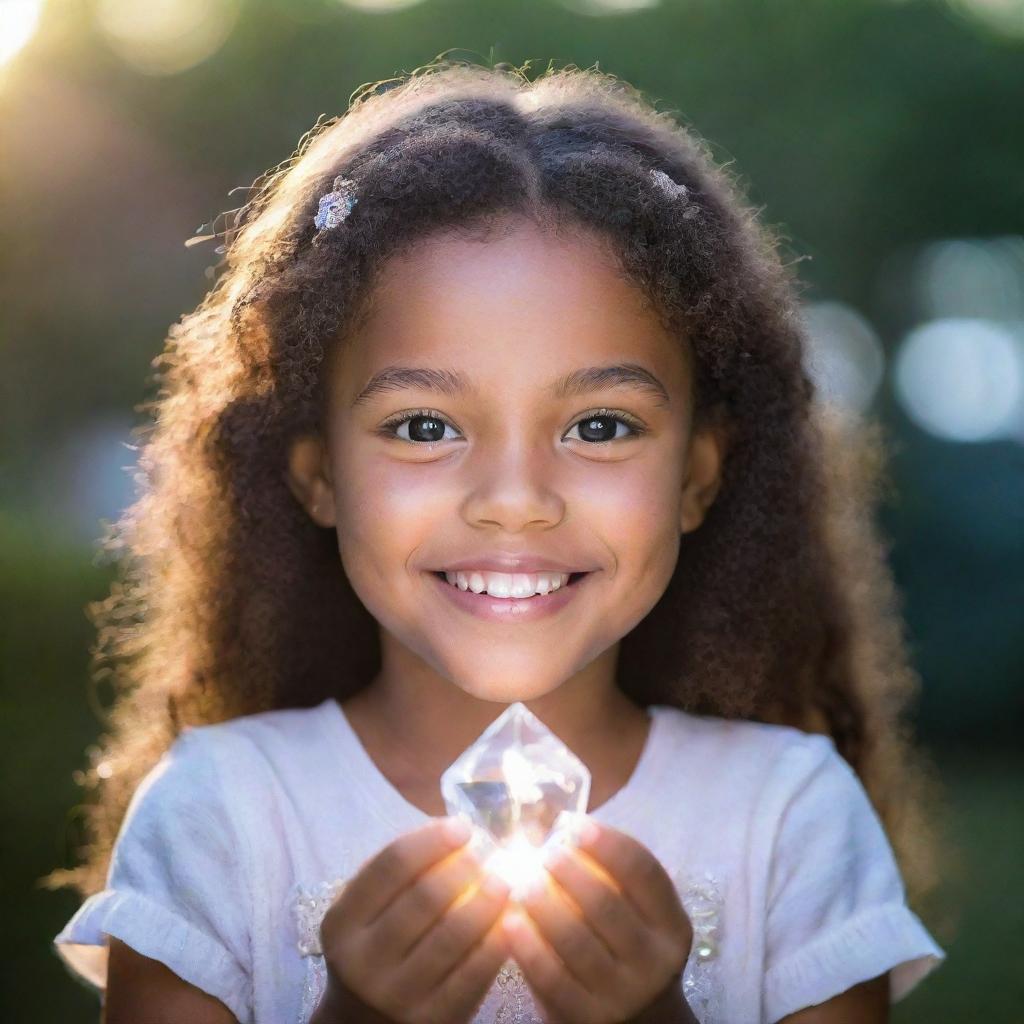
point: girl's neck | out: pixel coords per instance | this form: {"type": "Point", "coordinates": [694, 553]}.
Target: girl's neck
{"type": "Point", "coordinates": [412, 735]}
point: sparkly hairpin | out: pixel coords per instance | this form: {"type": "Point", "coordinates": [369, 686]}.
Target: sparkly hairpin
{"type": "Point", "coordinates": [667, 185]}
{"type": "Point", "coordinates": [337, 204]}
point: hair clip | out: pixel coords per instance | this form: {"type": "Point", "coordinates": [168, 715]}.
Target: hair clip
{"type": "Point", "coordinates": [667, 185]}
{"type": "Point", "coordinates": [337, 204]}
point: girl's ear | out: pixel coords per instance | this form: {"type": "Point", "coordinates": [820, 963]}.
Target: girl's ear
{"type": "Point", "coordinates": [703, 475]}
{"type": "Point", "coordinates": [309, 478]}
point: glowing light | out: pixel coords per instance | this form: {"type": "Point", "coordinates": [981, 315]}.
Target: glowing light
{"type": "Point", "coordinates": [19, 20]}
{"type": "Point", "coordinates": [523, 791]}
{"type": "Point", "coordinates": [519, 863]}
{"type": "Point", "coordinates": [164, 37]}
{"type": "Point", "coordinates": [963, 379]}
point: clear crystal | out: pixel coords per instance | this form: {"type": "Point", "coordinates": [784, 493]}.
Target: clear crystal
{"type": "Point", "coordinates": [522, 788]}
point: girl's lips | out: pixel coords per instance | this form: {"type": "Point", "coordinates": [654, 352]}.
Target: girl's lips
{"type": "Point", "coordinates": [510, 609]}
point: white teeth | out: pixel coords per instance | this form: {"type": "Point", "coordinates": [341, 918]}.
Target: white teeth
{"type": "Point", "coordinates": [504, 584]}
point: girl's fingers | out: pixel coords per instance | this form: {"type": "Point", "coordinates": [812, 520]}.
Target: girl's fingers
{"type": "Point", "coordinates": [418, 907]}
{"type": "Point", "coordinates": [452, 938]}
{"type": "Point", "coordinates": [585, 955]}
{"type": "Point", "coordinates": [640, 874]}
{"type": "Point", "coordinates": [560, 994]}
{"type": "Point", "coordinates": [606, 910]}
{"type": "Point", "coordinates": [384, 876]}
{"type": "Point", "coordinates": [462, 990]}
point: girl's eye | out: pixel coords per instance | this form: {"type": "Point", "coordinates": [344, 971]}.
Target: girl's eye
{"type": "Point", "coordinates": [426, 426]}
{"type": "Point", "coordinates": [600, 426]}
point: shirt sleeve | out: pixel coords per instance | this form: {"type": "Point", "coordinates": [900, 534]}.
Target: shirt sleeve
{"type": "Point", "coordinates": [175, 890]}
{"type": "Point", "coordinates": [836, 913]}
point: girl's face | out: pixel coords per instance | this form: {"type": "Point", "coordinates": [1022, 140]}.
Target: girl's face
{"type": "Point", "coordinates": [547, 424]}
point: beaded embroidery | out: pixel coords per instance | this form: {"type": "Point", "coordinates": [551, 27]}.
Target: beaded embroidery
{"type": "Point", "coordinates": [509, 1000]}
{"type": "Point", "coordinates": [309, 908]}
{"type": "Point", "coordinates": [516, 1002]}
{"type": "Point", "coordinates": [701, 896]}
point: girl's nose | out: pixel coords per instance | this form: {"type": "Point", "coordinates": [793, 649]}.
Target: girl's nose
{"type": "Point", "coordinates": [513, 488]}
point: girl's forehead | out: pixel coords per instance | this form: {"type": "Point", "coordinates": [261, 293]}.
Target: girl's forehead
{"type": "Point", "coordinates": [532, 268]}
{"type": "Point", "coordinates": [522, 307]}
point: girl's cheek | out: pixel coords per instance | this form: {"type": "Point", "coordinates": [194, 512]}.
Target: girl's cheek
{"type": "Point", "coordinates": [638, 499]}
{"type": "Point", "coordinates": [390, 510]}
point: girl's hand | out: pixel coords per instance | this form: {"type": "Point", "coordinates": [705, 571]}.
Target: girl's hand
{"type": "Point", "coordinates": [611, 915]}
{"type": "Point", "coordinates": [413, 936]}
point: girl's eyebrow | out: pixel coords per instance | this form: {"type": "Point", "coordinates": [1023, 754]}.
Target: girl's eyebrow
{"type": "Point", "coordinates": [451, 382]}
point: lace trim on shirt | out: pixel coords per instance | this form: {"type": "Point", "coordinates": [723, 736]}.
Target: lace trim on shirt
{"type": "Point", "coordinates": [509, 1000]}
{"type": "Point", "coordinates": [702, 898]}
{"type": "Point", "coordinates": [309, 907]}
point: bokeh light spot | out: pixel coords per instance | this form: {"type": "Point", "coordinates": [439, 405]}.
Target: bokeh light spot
{"type": "Point", "coordinates": [165, 37]}
{"type": "Point", "coordinates": [605, 7]}
{"type": "Point", "coordinates": [380, 6]}
{"type": "Point", "coordinates": [844, 357]}
{"type": "Point", "coordinates": [1003, 16]}
{"type": "Point", "coordinates": [962, 379]}
{"type": "Point", "coordinates": [977, 278]}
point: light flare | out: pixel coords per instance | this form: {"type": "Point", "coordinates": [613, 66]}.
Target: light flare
{"type": "Point", "coordinates": [19, 20]}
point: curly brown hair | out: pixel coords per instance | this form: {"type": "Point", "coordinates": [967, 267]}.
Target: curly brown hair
{"type": "Point", "coordinates": [229, 600]}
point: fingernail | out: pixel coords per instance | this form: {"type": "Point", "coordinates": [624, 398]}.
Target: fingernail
{"type": "Point", "coordinates": [457, 830]}
{"type": "Point", "coordinates": [587, 832]}
{"type": "Point", "coordinates": [555, 856]}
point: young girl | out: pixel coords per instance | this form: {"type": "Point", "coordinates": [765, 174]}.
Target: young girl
{"type": "Point", "coordinates": [500, 398]}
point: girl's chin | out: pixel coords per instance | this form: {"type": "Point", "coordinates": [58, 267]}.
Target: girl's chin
{"type": "Point", "coordinates": [509, 692]}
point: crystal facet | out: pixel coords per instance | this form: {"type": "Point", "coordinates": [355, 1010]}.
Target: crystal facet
{"type": "Point", "coordinates": [522, 789]}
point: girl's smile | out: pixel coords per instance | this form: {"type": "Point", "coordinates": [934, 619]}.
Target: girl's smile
{"type": "Point", "coordinates": [526, 606]}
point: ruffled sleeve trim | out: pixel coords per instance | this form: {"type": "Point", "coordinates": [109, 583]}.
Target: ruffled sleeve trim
{"type": "Point", "coordinates": [157, 933]}
{"type": "Point", "coordinates": [889, 937]}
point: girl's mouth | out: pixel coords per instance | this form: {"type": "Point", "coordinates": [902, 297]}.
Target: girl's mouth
{"type": "Point", "coordinates": [512, 609]}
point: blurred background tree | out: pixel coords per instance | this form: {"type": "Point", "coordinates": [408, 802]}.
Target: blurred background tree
{"type": "Point", "coordinates": [882, 138]}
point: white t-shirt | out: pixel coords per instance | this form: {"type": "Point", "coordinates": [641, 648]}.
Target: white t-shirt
{"type": "Point", "coordinates": [236, 841]}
